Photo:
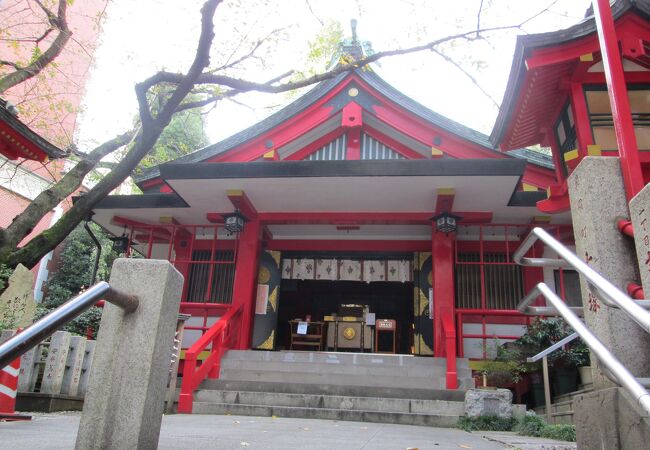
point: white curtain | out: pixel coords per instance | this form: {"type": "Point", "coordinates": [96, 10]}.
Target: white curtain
{"type": "Point", "coordinates": [333, 269]}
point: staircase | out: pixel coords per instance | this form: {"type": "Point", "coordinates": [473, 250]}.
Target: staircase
{"type": "Point", "coordinates": [397, 389]}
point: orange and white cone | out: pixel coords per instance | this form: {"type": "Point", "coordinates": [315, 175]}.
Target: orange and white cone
{"type": "Point", "coordinates": [8, 390]}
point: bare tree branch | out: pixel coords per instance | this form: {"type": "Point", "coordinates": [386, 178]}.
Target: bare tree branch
{"type": "Point", "coordinates": [468, 75]}
{"type": "Point", "coordinates": [322, 24]}
{"type": "Point", "coordinates": [58, 22]}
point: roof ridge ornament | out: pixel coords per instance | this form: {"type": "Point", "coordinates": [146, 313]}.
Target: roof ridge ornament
{"type": "Point", "coordinates": [352, 49]}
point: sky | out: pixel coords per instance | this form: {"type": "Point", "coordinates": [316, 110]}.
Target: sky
{"type": "Point", "coordinates": [142, 37]}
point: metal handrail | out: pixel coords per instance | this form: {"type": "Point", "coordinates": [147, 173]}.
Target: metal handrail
{"type": "Point", "coordinates": [552, 348]}
{"type": "Point", "coordinates": [44, 327]}
{"type": "Point", "coordinates": [622, 376]}
{"type": "Point", "coordinates": [610, 294]}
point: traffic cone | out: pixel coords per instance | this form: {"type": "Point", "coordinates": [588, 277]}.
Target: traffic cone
{"type": "Point", "coordinates": [8, 390]}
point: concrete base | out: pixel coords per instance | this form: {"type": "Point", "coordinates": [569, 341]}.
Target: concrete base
{"type": "Point", "coordinates": [35, 401]}
{"type": "Point", "coordinates": [610, 419]}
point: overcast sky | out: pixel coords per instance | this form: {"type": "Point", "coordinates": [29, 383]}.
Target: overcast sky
{"type": "Point", "coordinates": [144, 36]}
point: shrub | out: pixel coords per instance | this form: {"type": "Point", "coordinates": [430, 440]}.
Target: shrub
{"type": "Point", "coordinates": [561, 432]}
{"type": "Point", "coordinates": [487, 423]}
{"type": "Point", "coordinates": [531, 425]}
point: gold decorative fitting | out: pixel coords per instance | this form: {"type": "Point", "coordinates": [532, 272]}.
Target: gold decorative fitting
{"type": "Point", "coordinates": [275, 255]}
{"type": "Point", "coordinates": [264, 275]}
{"type": "Point", "coordinates": [268, 343]}
{"type": "Point", "coordinates": [353, 92]}
{"type": "Point", "coordinates": [349, 333]}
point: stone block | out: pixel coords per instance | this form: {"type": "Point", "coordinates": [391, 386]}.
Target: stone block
{"type": "Point", "coordinates": [488, 402]}
{"type": "Point", "coordinates": [72, 374]}
{"type": "Point", "coordinates": [27, 375]}
{"type": "Point", "coordinates": [55, 363]}
{"type": "Point", "coordinates": [598, 200]}
{"type": "Point", "coordinates": [640, 217]}
{"type": "Point", "coordinates": [126, 390]}
{"type": "Point", "coordinates": [17, 305]}
{"type": "Point", "coordinates": [610, 419]}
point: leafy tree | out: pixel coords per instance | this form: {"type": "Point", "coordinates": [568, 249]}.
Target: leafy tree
{"type": "Point", "coordinates": [75, 272]}
{"type": "Point", "coordinates": [174, 93]}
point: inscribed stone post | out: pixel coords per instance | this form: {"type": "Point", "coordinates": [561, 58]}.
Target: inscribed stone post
{"type": "Point", "coordinates": [86, 366]}
{"type": "Point", "coordinates": [55, 363]}
{"type": "Point", "coordinates": [72, 374]}
{"type": "Point", "coordinates": [17, 305]}
{"type": "Point", "coordinates": [126, 390]}
{"type": "Point", "coordinates": [27, 375]}
{"type": "Point", "coordinates": [598, 200]}
{"type": "Point", "coordinates": [640, 216]}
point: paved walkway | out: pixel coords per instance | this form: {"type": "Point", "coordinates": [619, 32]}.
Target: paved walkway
{"type": "Point", "coordinates": [58, 431]}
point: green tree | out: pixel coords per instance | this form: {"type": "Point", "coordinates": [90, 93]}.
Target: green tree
{"type": "Point", "coordinates": [184, 134]}
{"type": "Point", "coordinates": [75, 272]}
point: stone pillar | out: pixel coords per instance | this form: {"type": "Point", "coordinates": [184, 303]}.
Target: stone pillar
{"type": "Point", "coordinates": [72, 374]}
{"type": "Point", "coordinates": [87, 364]}
{"type": "Point", "coordinates": [126, 391]}
{"type": "Point", "coordinates": [27, 376]}
{"type": "Point", "coordinates": [55, 363]}
{"type": "Point", "coordinates": [640, 217]}
{"type": "Point", "coordinates": [597, 201]}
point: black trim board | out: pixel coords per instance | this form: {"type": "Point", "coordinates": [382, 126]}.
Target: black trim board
{"type": "Point", "coordinates": [142, 201]}
{"type": "Point", "coordinates": [526, 198]}
{"type": "Point", "coordinates": [361, 168]}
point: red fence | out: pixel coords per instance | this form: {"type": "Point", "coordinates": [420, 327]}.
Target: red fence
{"type": "Point", "coordinates": [489, 285]}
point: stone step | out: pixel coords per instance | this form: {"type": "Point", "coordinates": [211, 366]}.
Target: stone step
{"type": "Point", "coordinates": [342, 358]}
{"type": "Point", "coordinates": [402, 418]}
{"type": "Point", "coordinates": [341, 379]}
{"type": "Point", "coordinates": [428, 393]}
{"type": "Point", "coordinates": [423, 371]}
{"type": "Point", "coordinates": [397, 405]}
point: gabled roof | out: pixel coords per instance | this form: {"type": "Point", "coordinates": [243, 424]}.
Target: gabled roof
{"type": "Point", "coordinates": [547, 79]}
{"type": "Point", "coordinates": [318, 92]}
{"type": "Point", "coordinates": [22, 142]}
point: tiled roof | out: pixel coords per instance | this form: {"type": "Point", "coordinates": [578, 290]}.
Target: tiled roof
{"type": "Point", "coordinates": [13, 122]}
{"type": "Point", "coordinates": [314, 95]}
{"type": "Point", "coordinates": [533, 157]}
{"type": "Point", "coordinates": [526, 43]}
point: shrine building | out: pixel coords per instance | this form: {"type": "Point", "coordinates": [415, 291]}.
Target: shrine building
{"type": "Point", "coordinates": [357, 220]}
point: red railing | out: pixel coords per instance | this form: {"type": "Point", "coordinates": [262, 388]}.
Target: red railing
{"type": "Point", "coordinates": [221, 337]}
{"type": "Point", "coordinates": [480, 316]}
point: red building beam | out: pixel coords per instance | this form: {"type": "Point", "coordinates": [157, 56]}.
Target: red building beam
{"type": "Point", "coordinates": [240, 201]}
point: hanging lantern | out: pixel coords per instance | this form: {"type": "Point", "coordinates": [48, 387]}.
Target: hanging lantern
{"type": "Point", "coordinates": [234, 223]}
{"type": "Point", "coordinates": [120, 243]}
{"type": "Point", "coordinates": [446, 222]}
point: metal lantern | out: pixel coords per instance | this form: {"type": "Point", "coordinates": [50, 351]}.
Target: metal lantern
{"type": "Point", "coordinates": [446, 222]}
{"type": "Point", "coordinates": [234, 223]}
{"type": "Point", "coordinates": [120, 243]}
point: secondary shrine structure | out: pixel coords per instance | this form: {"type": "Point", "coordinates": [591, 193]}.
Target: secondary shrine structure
{"type": "Point", "coordinates": [357, 219]}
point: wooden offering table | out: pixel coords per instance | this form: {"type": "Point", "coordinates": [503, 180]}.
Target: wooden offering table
{"type": "Point", "coordinates": [306, 334]}
{"type": "Point", "coordinates": [348, 333]}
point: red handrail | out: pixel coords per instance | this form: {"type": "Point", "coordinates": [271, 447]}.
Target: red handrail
{"type": "Point", "coordinates": [222, 335]}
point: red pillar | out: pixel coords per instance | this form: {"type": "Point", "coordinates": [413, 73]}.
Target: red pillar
{"type": "Point", "coordinates": [444, 324]}
{"type": "Point", "coordinates": [619, 101]}
{"type": "Point", "coordinates": [245, 284]}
